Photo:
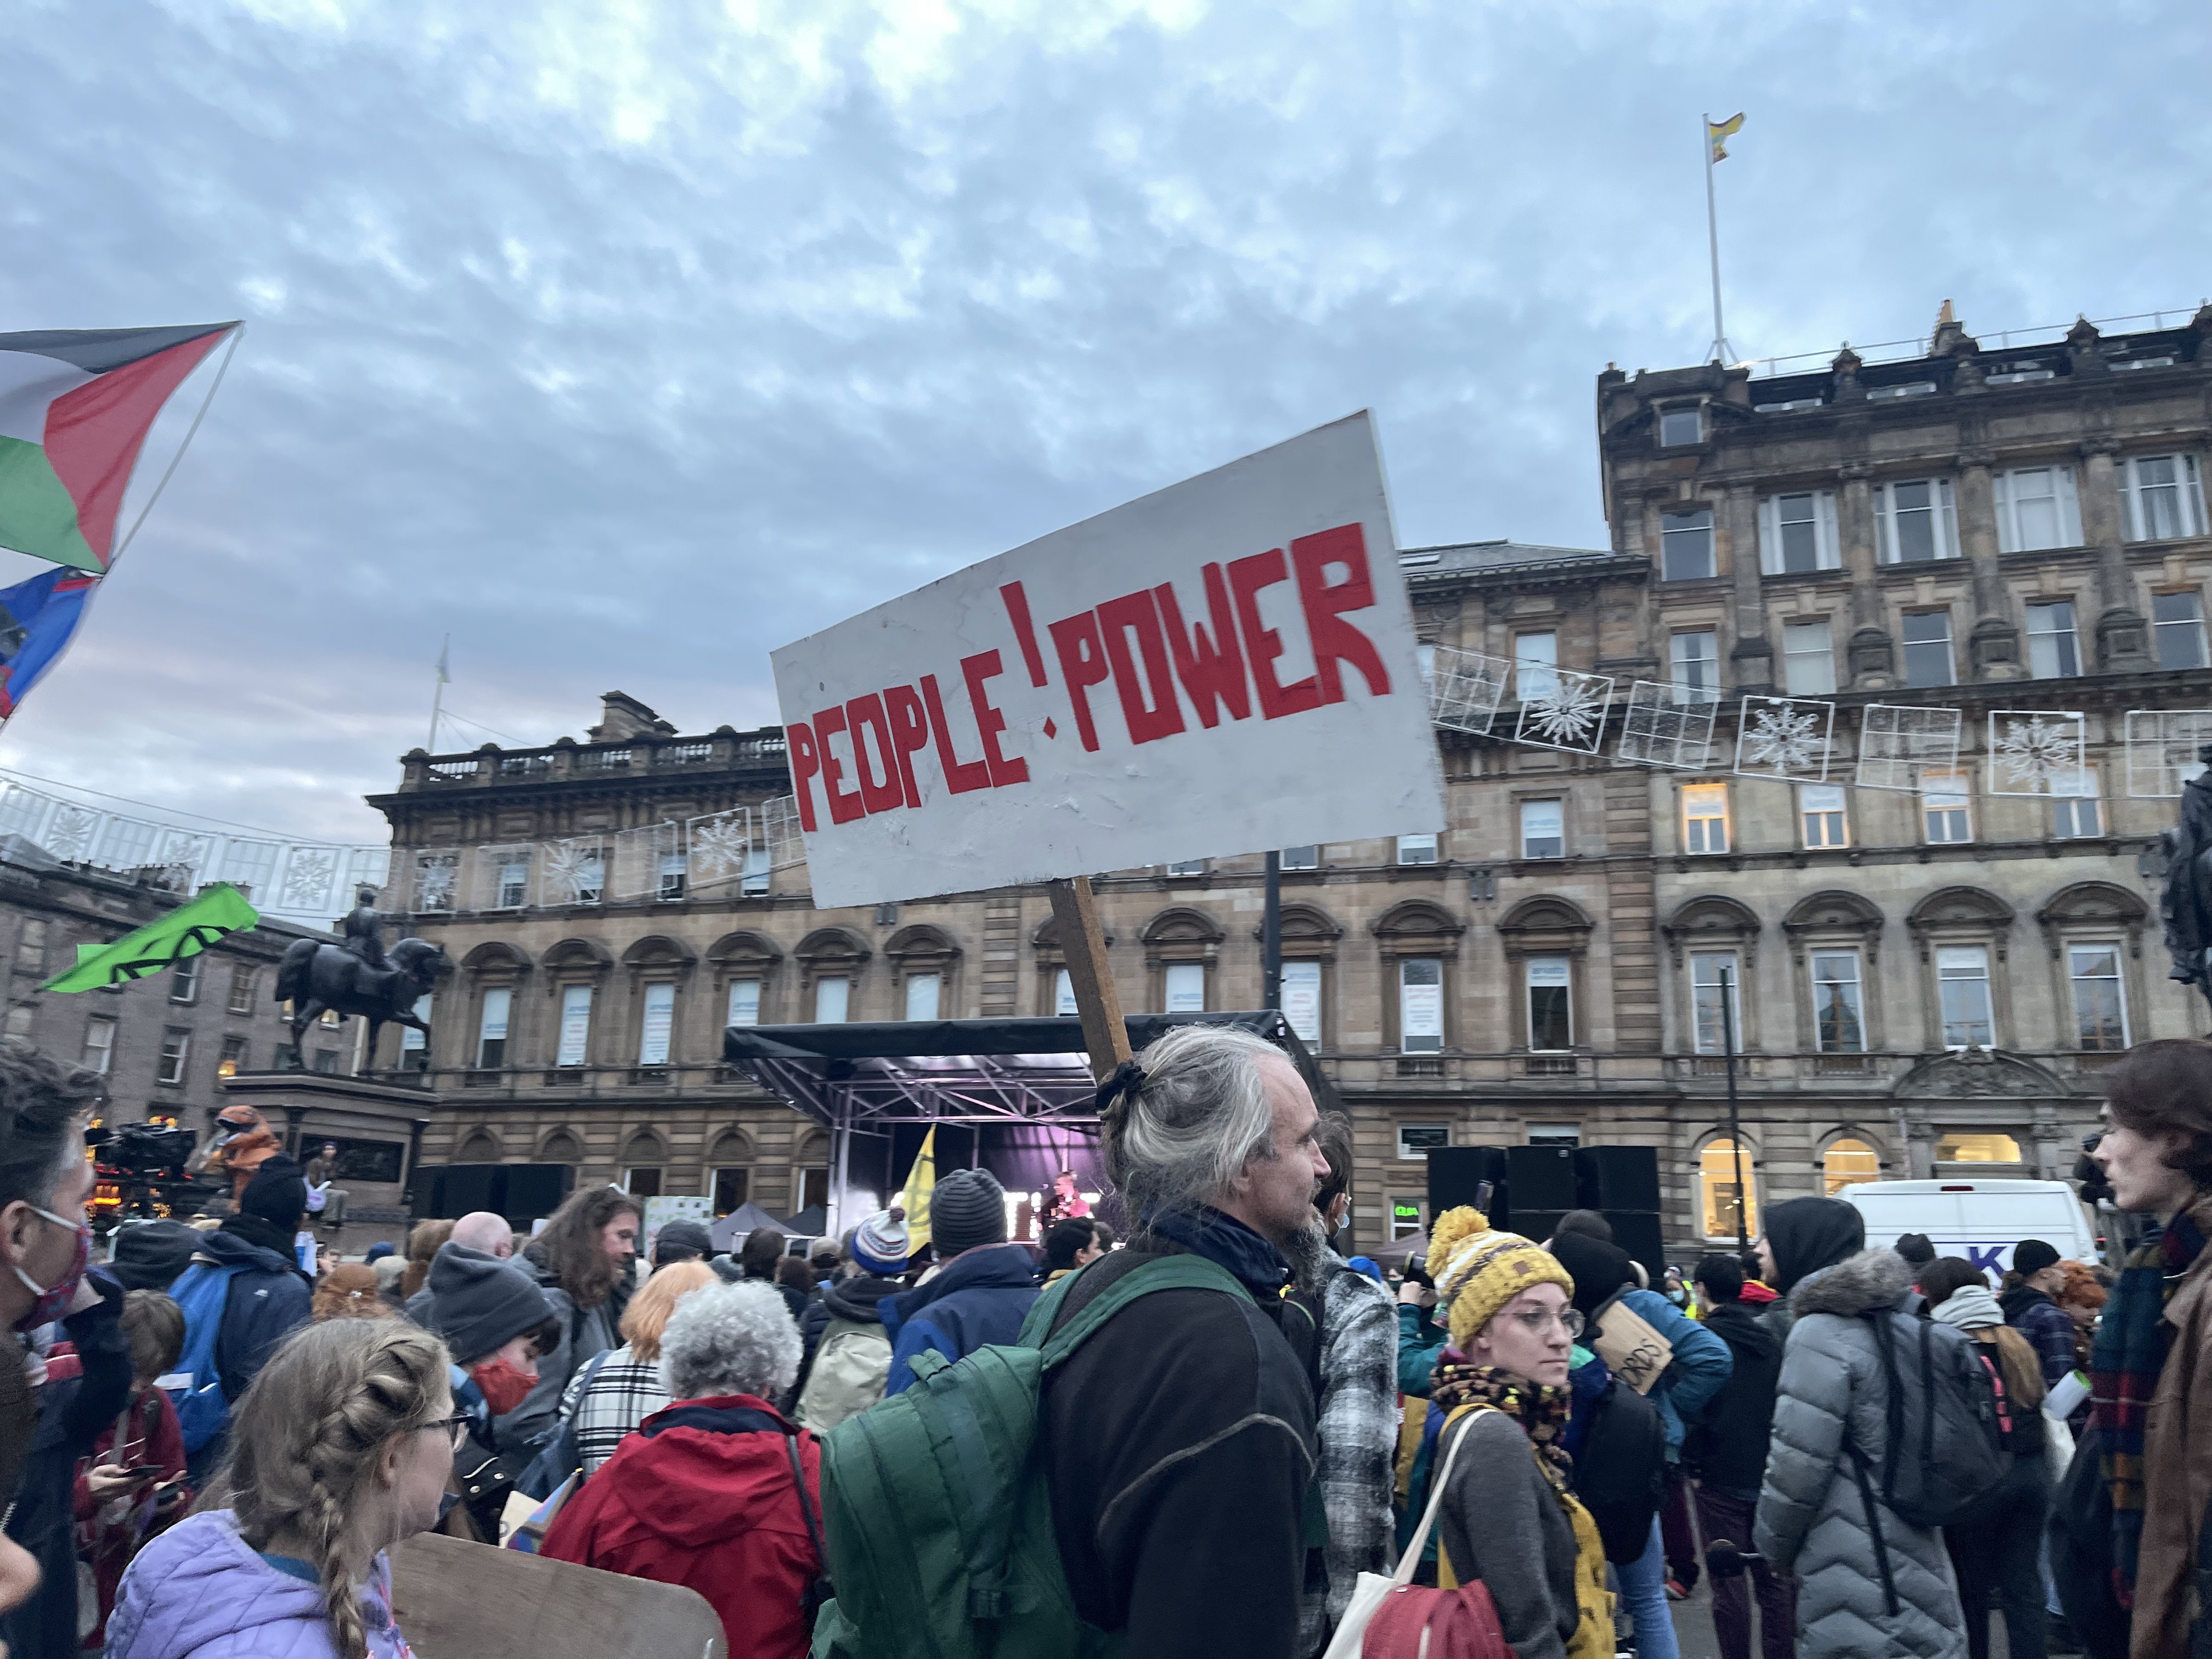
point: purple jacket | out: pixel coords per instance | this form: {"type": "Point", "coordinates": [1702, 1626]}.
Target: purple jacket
{"type": "Point", "coordinates": [198, 1592]}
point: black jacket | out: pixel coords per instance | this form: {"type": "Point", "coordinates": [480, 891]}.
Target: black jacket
{"type": "Point", "coordinates": [1180, 1449]}
{"type": "Point", "coordinates": [267, 1301]}
{"type": "Point", "coordinates": [1728, 1447]}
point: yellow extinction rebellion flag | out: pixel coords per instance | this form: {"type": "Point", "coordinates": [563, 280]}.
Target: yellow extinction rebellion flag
{"type": "Point", "coordinates": [921, 1182]}
{"type": "Point", "coordinates": [1719, 132]}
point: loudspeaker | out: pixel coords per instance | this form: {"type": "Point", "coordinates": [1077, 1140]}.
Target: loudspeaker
{"type": "Point", "coordinates": [520, 1192]}
{"type": "Point", "coordinates": [1535, 1224]}
{"type": "Point", "coordinates": [1617, 1178]}
{"type": "Point", "coordinates": [1637, 1231]}
{"type": "Point", "coordinates": [1456, 1173]}
{"type": "Point", "coordinates": [462, 1187]}
{"type": "Point", "coordinates": [1541, 1177]}
{"type": "Point", "coordinates": [534, 1190]}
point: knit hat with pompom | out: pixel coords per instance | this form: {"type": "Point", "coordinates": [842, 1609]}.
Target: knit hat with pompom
{"type": "Point", "coordinates": [1477, 1271]}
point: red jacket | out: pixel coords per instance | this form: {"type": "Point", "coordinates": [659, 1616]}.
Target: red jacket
{"type": "Point", "coordinates": [152, 1436]}
{"type": "Point", "coordinates": [703, 1496]}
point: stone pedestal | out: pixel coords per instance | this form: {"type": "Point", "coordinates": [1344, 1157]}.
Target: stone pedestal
{"type": "Point", "coordinates": [379, 1129]}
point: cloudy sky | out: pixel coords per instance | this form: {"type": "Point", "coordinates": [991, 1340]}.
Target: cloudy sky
{"type": "Point", "coordinates": [628, 339]}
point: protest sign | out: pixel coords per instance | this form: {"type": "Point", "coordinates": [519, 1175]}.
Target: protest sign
{"type": "Point", "coordinates": [659, 1212]}
{"type": "Point", "coordinates": [1222, 667]}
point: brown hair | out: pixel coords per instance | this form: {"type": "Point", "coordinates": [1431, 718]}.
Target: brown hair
{"type": "Point", "coordinates": [569, 1246]}
{"type": "Point", "coordinates": [1944, 1277]}
{"type": "Point", "coordinates": [421, 1244]}
{"type": "Point", "coordinates": [154, 1328]}
{"type": "Point", "coordinates": [2165, 1087]}
{"type": "Point", "coordinates": [796, 1273]}
{"type": "Point", "coordinates": [1333, 1134]}
{"type": "Point", "coordinates": [647, 1317]}
{"type": "Point", "coordinates": [349, 1291]}
{"type": "Point", "coordinates": [307, 1438]}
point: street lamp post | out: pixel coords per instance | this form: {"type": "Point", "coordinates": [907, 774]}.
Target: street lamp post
{"type": "Point", "coordinates": [1735, 1124]}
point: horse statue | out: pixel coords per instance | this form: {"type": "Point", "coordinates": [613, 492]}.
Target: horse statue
{"type": "Point", "coordinates": [316, 975]}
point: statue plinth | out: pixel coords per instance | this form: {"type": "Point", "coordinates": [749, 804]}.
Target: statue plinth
{"type": "Point", "coordinates": [378, 1125]}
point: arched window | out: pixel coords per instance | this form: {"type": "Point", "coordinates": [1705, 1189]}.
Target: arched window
{"type": "Point", "coordinates": [1717, 1190]}
{"type": "Point", "coordinates": [730, 1171]}
{"type": "Point", "coordinates": [562, 1147]}
{"type": "Point", "coordinates": [1846, 1161]}
{"type": "Point", "coordinates": [643, 1159]}
{"type": "Point", "coordinates": [479, 1148]}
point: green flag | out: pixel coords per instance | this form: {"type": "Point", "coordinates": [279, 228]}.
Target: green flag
{"type": "Point", "coordinates": [184, 932]}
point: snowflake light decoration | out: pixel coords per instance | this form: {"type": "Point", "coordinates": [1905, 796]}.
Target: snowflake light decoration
{"type": "Point", "coordinates": [2162, 745]}
{"type": "Point", "coordinates": [1785, 738]}
{"type": "Point", "coordinates": [1666, 726]}
{"type": "Point", "coordinates": [1898, 744]}
{"type": "Point", "coordinates": [1465, 688]}
{"type": "Point", "coordinates": [71, 836]}
{"type": "Point", "coordinates": [2034, 753]}
{"type": "Point", "coordinates": [433, 880]}
{"type": "Point", "coordinates": [309, 874]}
{"type": "Point", "coordinates": [1570, 715]}
{"type": "Point", "coordinates": [718, 843]}
{"type": "Point", "coordinates": [575, 871]}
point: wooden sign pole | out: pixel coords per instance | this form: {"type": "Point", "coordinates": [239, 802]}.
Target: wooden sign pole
{"type": "Point", "coordinates": [1083, 947]}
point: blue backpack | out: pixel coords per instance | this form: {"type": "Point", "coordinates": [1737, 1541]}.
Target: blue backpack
{"type": "Point", "coordinates": [202, 1291]}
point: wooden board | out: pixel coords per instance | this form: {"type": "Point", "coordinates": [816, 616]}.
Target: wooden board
{"type": "Point", "coordinates": [455, 1600]}
{"type": "Point", "coordinates": [1083, 947]}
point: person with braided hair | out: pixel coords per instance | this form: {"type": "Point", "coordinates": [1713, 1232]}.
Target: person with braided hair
{"type": "Point", "coordinates": [341, 1447]}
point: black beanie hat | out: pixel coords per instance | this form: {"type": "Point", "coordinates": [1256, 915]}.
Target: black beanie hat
{"type": "Point", "coordinates": [1808, 1234]}
{"type": "Point", "coordinates": [1598, 1268]}
{"type": "Point", "coordinates": [968, 1208]}
{"type": "Point", "coordinates": [479, 1304]}
{"type": "Point", "coordinates": [278, 1194]}
{"type": "Point", "coordinates": [682, 1241]}
{"type": "Point", "coordinates": [2032, 1255]}
{"type": "Point", "coordinates": [1916, 1248]}
{"type": "Point", "coordinates": [150, 1255]}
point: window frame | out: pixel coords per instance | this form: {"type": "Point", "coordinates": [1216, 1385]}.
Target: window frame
{"type": "Point", "coordinates": [1421, 1043]}
{"type": "Point", "coordinates": [521, 886]}
{"type": "Point", "coordinates": [1691, 541]}
{"type": "Point", "coordinates": [1960, 800]}
{"type": "Point", "coordinates": [1304, 966]}
{"type": "Point", "coordinates": [1908, 646]}
{"type": "Point", "coordinates": [174, 1059]}
{"type": "Point", "coordinates": [1837, 818]}
{"type": "Point", "coordinates": [1826, 656]}
{"type": "Point", "coordinates": [1699, 963]}
{"type": "Point", "coordinates": [1696, 826]}
{"type": "Point", "coordinates": [1857, 999]}
{"type": "Point", "coordinates": [502, 996]}
{"type": "Point", "coordinates": [1737, 1155]}
{"type": "Point", "coordinates": [1943, 519]}
{"type": "Point", "coordinates": [1689, 691]}
{"type": "Point", "coordinates": [2069, 636]}
{"type": "Point", "coordinates": [1544, 681]}
{"type": "Point", "coordinates": [2162, 630]}
{"type": "Point", "coordinates": [1827, 545]}
{"type": "Point", "coordinates": [1185, 973]}
{"type": "Point", "coordinates": [242, 977]}
{"type": "Point", "coordinates": [185, 980]}
{"type": "Point", "coordinates": [1311, 860]}
{"type": "Point", "coordinates": [1567, 1001]}
{"type": "Point", "coordinates": [2067, 811]}
{"type": "Point", "coordinates": [2066, 498]}
{"type": "Point", "coordinates": [1425, 849]}
{"type": "Point", "coordinates": [1985, 979]}
{"type": "Point", "coordinates": [1558, 803]}
{"type": "Point", "coordinates": [842, 997]}
{"type": "Point", "coordinates": [1696, 412]}
{"type": "Point", "coordinates": [582, 1056]}
{"type": "Point", "coordinates": [730, 998]}
{"type": "Point", "coordinates": [1406, 1153]}
{"type": "Point", "coordinates": [2117, 952]}
{"type": "Point", "coordinates": [2189, 495]}
{"type": "Point", "coordinates": [231, 1060]}
{"type": "Point", "coordinates": [934, 979]}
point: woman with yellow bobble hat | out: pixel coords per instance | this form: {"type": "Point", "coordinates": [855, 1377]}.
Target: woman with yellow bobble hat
{"type": "Point", "coordinates": [1507, 1518]}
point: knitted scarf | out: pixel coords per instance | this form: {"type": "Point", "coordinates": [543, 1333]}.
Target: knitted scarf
{"type": "Point", "coordinates": [1539, 1408]}
{"type": "Point", "coordinates": [2123, 1368]}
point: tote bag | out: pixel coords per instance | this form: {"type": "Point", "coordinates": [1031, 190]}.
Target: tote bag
{"type": "Point", "coordinates": [1386, 1617]}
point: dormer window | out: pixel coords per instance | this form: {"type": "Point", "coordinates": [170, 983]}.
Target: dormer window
{"type": "Point", "coordinates": [1682, 426]}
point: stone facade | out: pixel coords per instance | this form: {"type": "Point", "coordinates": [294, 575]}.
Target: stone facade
{"type": "Point", "coordinates": [1899, 534]}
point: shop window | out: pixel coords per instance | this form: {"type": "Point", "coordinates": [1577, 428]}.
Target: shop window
{"type": "Point", "coordinates": [1720, 1196]}
{"type": "Point", "coordinates": [1978, 1149]}
{"type": "Point", "coordinates": [1847, 1162]}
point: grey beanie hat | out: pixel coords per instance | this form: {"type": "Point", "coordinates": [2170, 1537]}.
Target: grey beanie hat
{"type": "Point", "coordinates": [479, 1304]}
{"type": "Point", "coordinates": [968, 1208]}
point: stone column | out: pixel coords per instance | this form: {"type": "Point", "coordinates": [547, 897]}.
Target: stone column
{"type": "Point", "coordinates": [2123, 633]}
{"type": "Point", "coordinates": [1871, 654]}
{"type": "Point", "coordinates": [1751, 659]}
{"type": "Point", "coordinates": [1993, 644]}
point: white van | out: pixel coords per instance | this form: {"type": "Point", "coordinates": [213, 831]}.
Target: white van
{"type": "Point", "coordinates": [1981, 1220]}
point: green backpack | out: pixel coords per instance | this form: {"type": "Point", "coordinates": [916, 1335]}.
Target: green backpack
{"type": "Point", "coordinates": [940, 1520]}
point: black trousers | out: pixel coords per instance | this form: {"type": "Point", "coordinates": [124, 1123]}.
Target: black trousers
{"type": "Point", "coordinates": [1997, 1548]}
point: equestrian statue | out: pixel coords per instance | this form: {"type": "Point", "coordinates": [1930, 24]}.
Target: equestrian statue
{"type": "Point", "coordinates": [360, 976]}
{"type": "Point", "coordinates": [2185, 904]}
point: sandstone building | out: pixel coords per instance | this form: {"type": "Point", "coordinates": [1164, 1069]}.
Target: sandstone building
{"type": "Point", "coordinates": [1926, 974]}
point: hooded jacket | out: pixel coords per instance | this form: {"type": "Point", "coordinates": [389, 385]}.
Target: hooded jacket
{"type": "Point", "coordinates": [1728, 1449]}
{"type": "Point", "coordinates": [269, 1299]}
{"type": "Point", "coordinates": [851, 1362]}
{"type": "Point", "coordinates": [2046, 1325]}
{"type": "Point", "coordinates": [703, 1495]}
{"type": "Point", "coordinates": [980, 1297]}
{"type": "Point", "coordinates": [1806, 1235]}
{"type": "Point", "coordinates": [199, 1592]}
{"type": "Point", "coordinates": [1812, 1519]}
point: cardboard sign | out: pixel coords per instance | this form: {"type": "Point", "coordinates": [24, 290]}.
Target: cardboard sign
{"type": "Point", "coordinates": [456, 1599]}
{"type": "Point", "coordinates": [1222, 667]}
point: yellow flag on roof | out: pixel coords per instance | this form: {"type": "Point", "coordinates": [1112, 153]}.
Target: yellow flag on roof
{"type": "Point", "coordinates": [921, 1182]}
{"type": "Point", "coordinates": [1719, 132]}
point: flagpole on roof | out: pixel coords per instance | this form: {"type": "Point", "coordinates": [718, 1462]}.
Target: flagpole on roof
{"type": "Point", "coordinates": [1719, 351]}
{"type": "Point", "coordinates": [438, 696]}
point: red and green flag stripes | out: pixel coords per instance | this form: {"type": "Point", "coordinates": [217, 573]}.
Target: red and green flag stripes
{"type": "Point", "coordinates": [74, 408]}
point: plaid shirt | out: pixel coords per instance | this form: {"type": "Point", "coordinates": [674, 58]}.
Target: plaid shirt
{"type": "Point", "coordinates": [624, 1392]}
{"type": "Point", "coordinates": [1358, 1432]}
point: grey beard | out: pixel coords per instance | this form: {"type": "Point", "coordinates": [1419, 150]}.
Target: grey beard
{"type": "Point", "coordinates": [1307, 1251]}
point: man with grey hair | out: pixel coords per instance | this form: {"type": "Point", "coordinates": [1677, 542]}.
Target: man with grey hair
{"type": "Point", "coordinates": [703, 1494]}
{"type": "Point", "coordinates": [1179, 1440]}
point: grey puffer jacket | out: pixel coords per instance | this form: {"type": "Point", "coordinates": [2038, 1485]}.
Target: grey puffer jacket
{"type": "Point", "coordinates": [1812, 1520]}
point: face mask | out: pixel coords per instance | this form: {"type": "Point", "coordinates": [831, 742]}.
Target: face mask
{"type": "Point", "coordinates": [505, 1384]}
{"type": "Point", "coordinates": [54, 1303]}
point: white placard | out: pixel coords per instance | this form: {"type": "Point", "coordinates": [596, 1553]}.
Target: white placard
{"type": "Point", "coordinates": [1169, 681]}
{"type": "Point", "coordinates": [659, 1212]}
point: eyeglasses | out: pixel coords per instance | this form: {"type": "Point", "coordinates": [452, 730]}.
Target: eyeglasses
{"type": "Point", "coordinates": [1537, 1321]}
{"type": "Point", "coordinates": [457, 1427]}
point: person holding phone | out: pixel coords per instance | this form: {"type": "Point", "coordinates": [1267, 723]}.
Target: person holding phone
{"type": "Point", "coordinates": [133, 1485]}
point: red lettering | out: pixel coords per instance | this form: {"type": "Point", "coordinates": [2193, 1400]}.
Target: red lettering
{"type": "Point", "coordinates": [1336, 640]}
{"type": "Point", "coordinates": [844, 807]}
{"type": "Point", "coordinates": [1263, 644]}
{"type": "Point", "coordinates": [806, 764]}
{"type": "Point", "coordinates": [1136, 613]}
{"type": "Point", "coordinates": [960, 776]}
{"type": "Point", "coordinates": [1017, 612]}
{"type": "Point", "coordinates": [909, 734]}
{"type": "Point", "coordinates": [1082, 665]}
{"type": "Point", "coordinates": [867, 714]}
{"type": "Point", "coordinates": [1211, 669]}
{"type": "Point", "coordinates": [989, 722]}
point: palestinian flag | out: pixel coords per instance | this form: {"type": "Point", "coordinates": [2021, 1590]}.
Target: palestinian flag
{"type": "Point", "coordinates": [74, 408]}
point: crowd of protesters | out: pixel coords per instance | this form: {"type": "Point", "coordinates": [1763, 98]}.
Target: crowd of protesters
{"type": "Point", "coordinates": [1239, 1429]}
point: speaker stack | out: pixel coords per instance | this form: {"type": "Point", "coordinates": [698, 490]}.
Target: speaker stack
{"type": "Point", "coordinates": [520, 1192]}
{"type": "Point", "coordinates": [1622, 1184]}
{"type": "Point", "coordinates": [1532, 1186]}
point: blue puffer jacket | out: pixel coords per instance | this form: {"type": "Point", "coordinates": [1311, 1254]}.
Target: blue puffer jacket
{"type": "Point", "coordinates": [1699, 1370]}
{"type": "Point", "coordinates": [981, 1297]}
